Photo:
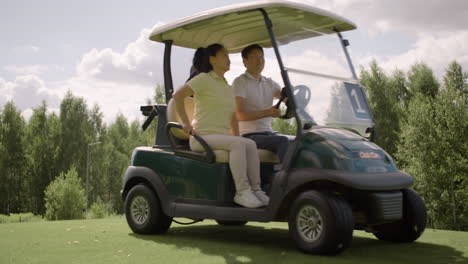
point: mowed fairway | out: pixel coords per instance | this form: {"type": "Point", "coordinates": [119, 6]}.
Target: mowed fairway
{"type": "Point", "coordinates": [111, 241]}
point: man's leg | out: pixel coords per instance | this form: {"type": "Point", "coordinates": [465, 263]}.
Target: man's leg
{"type": "Point", "coordinates": [276, 143]}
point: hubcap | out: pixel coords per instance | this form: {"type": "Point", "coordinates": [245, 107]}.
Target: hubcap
{"type": "Point", "coordinates": [309, 223]}
{"type": "Point", "coordinates": [139, 210]}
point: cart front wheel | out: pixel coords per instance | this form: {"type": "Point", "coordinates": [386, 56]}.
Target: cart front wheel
{"type": "Point", "coordinates": [321, 223]}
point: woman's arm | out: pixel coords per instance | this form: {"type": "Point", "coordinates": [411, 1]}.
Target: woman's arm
{"type": "Point", "coordinates": [234, 125]}
{"type": "Point", "coordinates": [179, 97]}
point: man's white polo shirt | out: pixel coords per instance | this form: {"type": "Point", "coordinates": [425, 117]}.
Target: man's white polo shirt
{"type": "Point", "coordinates": [258, 95]}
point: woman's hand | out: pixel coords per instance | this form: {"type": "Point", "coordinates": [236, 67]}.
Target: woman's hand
{"type": "Point", "coordinates": [188, 129]}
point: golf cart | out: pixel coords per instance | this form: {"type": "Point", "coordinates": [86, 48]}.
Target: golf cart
{"type": "Point", "coordinates": [333, 179]}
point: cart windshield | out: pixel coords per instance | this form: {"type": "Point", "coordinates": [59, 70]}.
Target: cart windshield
{"type": "Point", "coordinates": [323, 87]}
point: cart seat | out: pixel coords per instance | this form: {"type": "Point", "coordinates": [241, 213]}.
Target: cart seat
{"type": "Point", "coordinates": [221, 155]}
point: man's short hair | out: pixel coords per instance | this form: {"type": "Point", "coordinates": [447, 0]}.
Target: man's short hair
{"type": "Point", "coordinates": [245, 52]}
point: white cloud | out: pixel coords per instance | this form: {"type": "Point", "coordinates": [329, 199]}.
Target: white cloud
{"type": "Point", "coordinates": [27, 91]}
{"type": "Point", "coordinates": [5, 92]}
{"type": "Point", "coordinates": [140, 63]}
{"type": "Point", "coordinates": [436, 51]}
{"type": "Point", "coordinates": [119, 82]}
{"type": "Point", "coordinates": [112, 97]}
{"type": "Point", "coordinates": [414, 17]}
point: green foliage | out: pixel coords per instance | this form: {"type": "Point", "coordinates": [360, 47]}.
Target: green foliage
{"type": "Point", "coordinates": [122, 139]}
{"type": "Point", "coordinates": [384, 95]}
{"type": "Point", "coordinates": [41, 154]}
{"type": "Point", "coordinates": [284, 126]}
{"type": "Point", "coordinates": [97, 155]}
{"type": "Point", "coordinates": [456, 81]}
{"type": "Point", "coordinates": [55, 143]}
{"type": "Point", "coordinates": [433, 149]}
{"type": "Point", "coordinates": [75, 133]}
{"type": "Point", "coordinates": [425, 129]}
{"type": "Point", "coordinates": [12, 161]}
{"type": "Point", "coordinates": [159, 97]}
{"type": "Point", "coordinates": [421, 79]}
{"type": "Point", "coordinates": [65, 197]}
{"type": "Point", "coordinates": [20, 218]}
{"type": "Point", "coordinates": [100, 209]}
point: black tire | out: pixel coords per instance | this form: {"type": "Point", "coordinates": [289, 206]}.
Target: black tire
{"type": "Point", "coordinates": [144, 213]}
{"type": "Point", "coordinates": [330, 225]}
{"type": "Point", "coordinates": [231, 223]}
{"type": "Point", "coordinates": [411, 226]}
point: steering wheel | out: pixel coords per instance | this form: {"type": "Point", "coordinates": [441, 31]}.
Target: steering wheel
{"type": "Point", "coordinates": [302, 96]}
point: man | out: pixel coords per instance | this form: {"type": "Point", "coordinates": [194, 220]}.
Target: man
{"type": "Point", "coordinates": [254, 103]}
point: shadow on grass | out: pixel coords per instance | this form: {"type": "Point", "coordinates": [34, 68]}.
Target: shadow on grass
{"type": "Point", "coordinates": [254, 244]}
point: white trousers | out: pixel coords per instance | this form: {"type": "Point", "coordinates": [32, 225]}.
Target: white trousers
{"type": "Point", "coordinates": [243, 158]}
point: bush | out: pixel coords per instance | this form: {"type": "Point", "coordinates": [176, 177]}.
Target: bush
{"type": "Point", "coordinates": [100, 209]}
{"type": "Point", "coordinates": [19, 218]}
{"type": "Point", "coordinates": [65, 197]}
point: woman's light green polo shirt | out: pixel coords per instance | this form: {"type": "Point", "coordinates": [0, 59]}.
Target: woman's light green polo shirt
{"type": "Point", "coordinates": [214, 104]}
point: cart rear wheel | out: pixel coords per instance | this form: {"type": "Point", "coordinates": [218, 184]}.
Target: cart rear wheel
{"type": "Point", "coordinates": [411, 226]}
{"type": "Point", "coordinates": [144, 213]}
{"type": "Point", "coordinates": [321, 223]}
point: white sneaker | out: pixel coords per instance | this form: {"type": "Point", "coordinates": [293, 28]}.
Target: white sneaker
{"type": "Point", "coordinates": [247, 199]}
{"type": "Point", "coordinates": [262, 197]}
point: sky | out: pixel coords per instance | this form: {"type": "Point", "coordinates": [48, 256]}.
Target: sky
{"type": "Point", "coordinates": [99, 50]}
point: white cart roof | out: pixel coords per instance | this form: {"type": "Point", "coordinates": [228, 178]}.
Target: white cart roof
{"type": "Point", "coordinates": [235, 28]}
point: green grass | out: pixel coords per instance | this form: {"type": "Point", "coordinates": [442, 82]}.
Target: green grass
{"type": "Point", "coordinates": [111, 241]}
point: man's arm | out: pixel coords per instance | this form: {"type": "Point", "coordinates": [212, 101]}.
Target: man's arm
{"type": "Point", "coordinates": [253, 115]}
{"type": "Point", "coordinates": [277, 88]}
{"type": "Point", "coordinates": [278, 94]}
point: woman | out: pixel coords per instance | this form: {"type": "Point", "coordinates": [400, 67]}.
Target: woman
{"type": "Point", "coordinates": [215, 121]}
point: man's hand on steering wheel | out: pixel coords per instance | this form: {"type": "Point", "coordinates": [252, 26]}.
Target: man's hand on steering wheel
{"type": "Point", "coordinates": [283, 99]}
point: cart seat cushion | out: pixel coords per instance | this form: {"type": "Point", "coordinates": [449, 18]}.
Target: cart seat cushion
{"type": "Point", "coordinates": [264, 155]}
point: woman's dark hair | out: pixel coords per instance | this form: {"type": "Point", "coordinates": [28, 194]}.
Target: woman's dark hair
{"type": "Point", "coordinates": [201, 59]}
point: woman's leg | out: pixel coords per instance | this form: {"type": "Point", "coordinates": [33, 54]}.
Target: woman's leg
{"type": "Point", "coordinates": [236, 147]}
{"type": "Point", "coordinates": [238, 161]}
{"type": "Point", "coordinates": [253, 164]}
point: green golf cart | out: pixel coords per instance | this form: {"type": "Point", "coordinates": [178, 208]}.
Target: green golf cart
{"type": "Point", "coordinates": [333, 179]}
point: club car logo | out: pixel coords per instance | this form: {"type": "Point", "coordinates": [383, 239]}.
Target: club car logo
{"type": "Point", "coordinates": [368, 155]}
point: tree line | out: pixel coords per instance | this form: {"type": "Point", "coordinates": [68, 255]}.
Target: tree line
{"type": "Point", "coordinates": [34, 153]}
{"type": "Point", "coordinates": [421, 122]}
